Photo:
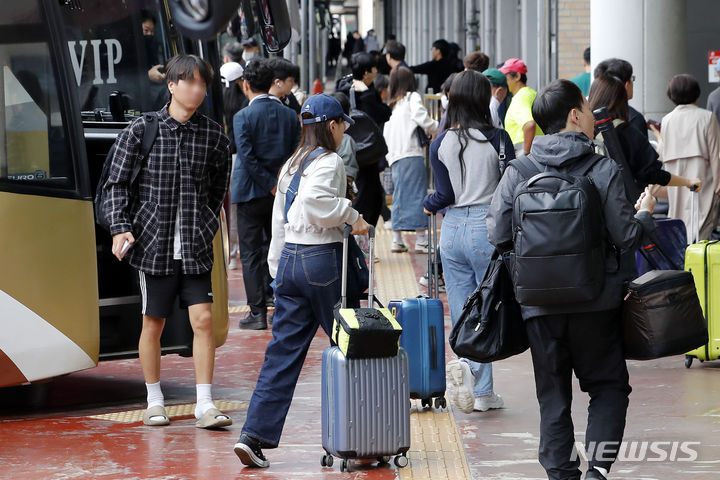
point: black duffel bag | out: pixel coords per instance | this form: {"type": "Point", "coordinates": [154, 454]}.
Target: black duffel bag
{"type": "Point", "coordinates": [369, 141]}
{"type": "Point", "coordinates": [662, 316]}
{"type": "Point", "coordinates": [490, 327]}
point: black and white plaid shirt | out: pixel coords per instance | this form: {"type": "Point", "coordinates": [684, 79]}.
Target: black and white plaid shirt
{"type": "Point", "coordinates": [188, 167]}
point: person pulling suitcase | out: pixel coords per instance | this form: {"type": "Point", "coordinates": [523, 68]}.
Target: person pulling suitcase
{"type": "Point", "coordinates": [304, 257]}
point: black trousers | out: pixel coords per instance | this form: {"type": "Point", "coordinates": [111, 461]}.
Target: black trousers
{"type": "Point", "coordinates": [590, 345]}
{"type": "Point", "coordinates": [254, 226]}
{"type": "Point", "coordinates": [369, 200]}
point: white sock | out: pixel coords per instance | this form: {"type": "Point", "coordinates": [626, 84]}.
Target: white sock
{"type": "Point", "coordinates": [204, 399]}
{"type": "Point", "coordinates": [421, 237]}
{"type": "Point", "coordinates": [602, 471]}
{"type": "Point", "coordinates": [397, 236]}
{"type": "Point", "coordinates": [154, 395]}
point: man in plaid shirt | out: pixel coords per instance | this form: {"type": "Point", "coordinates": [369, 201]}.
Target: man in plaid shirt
{"type": "Point", "coordinates": [165, 224]}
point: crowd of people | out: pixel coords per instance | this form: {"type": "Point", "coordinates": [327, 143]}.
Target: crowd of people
{"type": "Point", "coordinates": [297, 176]}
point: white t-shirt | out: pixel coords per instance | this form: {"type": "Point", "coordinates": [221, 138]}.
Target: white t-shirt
{"type": "Point", "coordinates": [177, 246]}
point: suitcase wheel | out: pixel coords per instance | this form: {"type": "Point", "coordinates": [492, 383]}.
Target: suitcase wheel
{"type": "Point", "coordinates": [401, 461]}
{"type": "Point", "coordinates": [344, 466]}
{"type": "Point", "coordinates": [383, 460]}
{"type": "Point", "coordinates": [326, 460]}
{"type": "Point", "coordinates": [426, 402]}
{"type": "Point", "coordinates": [440, 402]}
{"type": "Point", "coordinates": [688, 361]}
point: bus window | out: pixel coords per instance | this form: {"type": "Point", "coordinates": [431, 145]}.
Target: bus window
{"type": "Point", "coordinates": [33, 146]}
{"type": "Point", "coordinates": [118, 50]}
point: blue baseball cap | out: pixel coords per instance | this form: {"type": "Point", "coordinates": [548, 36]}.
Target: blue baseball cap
{"type": "Point", "coordinates": [323, 108]}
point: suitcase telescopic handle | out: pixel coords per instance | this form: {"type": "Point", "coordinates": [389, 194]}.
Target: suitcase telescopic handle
{"type": "Point", "coordinates": [433, 274]}
{"type": "Point", "coordinates": [347, 230]}
{"type": "Point", "coordinates": [695, 214]}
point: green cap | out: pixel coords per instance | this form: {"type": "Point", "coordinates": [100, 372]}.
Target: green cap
{"type": "Point", "coordinates": [495, 76]}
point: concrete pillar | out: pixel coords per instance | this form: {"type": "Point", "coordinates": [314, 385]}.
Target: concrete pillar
{"type": "Point", "coordinates": [304, 45]}
{"type": "Point", "coordinates": [312, 47]}
{"type": "Point", "coordinates": [472, 25]}
{"type": "Point", "coordinates": [651, 35]}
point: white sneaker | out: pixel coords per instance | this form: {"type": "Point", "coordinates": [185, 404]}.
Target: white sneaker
{"type": "Point", "coordinates": [398, 248]}
{"type": "Point", "coordinates": [459, 375]}
{"type": "Point", "coordinates": [488, 402]}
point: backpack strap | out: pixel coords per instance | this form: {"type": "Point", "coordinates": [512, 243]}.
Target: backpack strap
{"type": "Point", "coordinates": [292, 190]}
{"type": "Point", "coordinates": [592, 159]}
{"type": "Point", "coordinates": [353, 104]}
{"type": "Point", "coordinates": [502, 164]}
{"type": "Point", "coordinates": [526, 166]}
{"type": "Point", "coordinates": [149, 136]}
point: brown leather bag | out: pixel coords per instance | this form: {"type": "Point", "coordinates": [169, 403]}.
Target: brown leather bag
{"type": "Point", "coordinates": [662, 316]}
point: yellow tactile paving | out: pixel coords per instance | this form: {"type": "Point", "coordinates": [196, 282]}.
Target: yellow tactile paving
{"type": "Point", "coordinates": [184, 410]}
{"type": "Point", "coordinates": [436, 449]}
{"type": "Point", "coordinates": [394, 272]}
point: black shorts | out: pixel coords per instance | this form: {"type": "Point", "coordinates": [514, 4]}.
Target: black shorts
{"type": "Point", "coordinates": [160, 291]}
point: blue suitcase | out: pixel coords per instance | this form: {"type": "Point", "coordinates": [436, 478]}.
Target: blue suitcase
{"type": "Point", "coordinates": [365, 408]}
{"type": "Point", "coordinates": [423, 335]}
{"type": "Point", "coordinates": [666, 249]}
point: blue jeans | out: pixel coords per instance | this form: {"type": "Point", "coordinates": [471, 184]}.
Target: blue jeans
{"type": "Point", "coordinates": [466, 254]}
{"type": "Point", "coordinates": [307, 288]}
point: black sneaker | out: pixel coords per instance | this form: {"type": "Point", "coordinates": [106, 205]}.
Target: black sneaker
{"type": "Point", "coordinates": [248, 451]}
{"type": "Point", "coordinates": [593, 474]}
{"type": "Point", "coordinates": [253, 322]}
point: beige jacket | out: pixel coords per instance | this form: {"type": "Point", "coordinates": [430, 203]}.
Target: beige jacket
{"type": "Point", "coordinates": [691, 148]}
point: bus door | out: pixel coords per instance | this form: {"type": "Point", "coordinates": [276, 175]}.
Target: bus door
{"type": "Point", "coordinates": [48, 286]}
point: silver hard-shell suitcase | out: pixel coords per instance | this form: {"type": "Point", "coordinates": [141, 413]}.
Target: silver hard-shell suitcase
{"type": "Point", "coordinates": [365, 407]}
{"type": "Point", "coordinates": [365, 401]}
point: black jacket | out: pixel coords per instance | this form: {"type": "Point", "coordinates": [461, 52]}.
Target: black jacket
{"type": "Point", "coordinates": [641, 157]}
{"type": "Point", "coordinates": [368, 101]}
{"type": "Point", "coordinates": [637, 120]}
{"type": "Point", "coordinates": [437, 71]}
{"type": "Point", "coordinates": [234, 100]}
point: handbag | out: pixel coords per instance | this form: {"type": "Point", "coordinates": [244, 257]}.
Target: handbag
{"type": "Point", "coordinates": [387, 181]}
{"type": "Point", "coordinates": [422, 137]}
{"type": "Point", "coordinates": [358, 273]}
{"type": "Point", "coordinates": [369, 141]}
{"type": "Point", "coordinates": [662, 316]}
{"type": "Point", "coordinates": [491, 326]}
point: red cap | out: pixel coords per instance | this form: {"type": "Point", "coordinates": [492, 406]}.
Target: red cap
{"type": "Point", "coordinates": [514, 65]}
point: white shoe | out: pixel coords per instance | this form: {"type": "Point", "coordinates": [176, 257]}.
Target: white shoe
{"type": "Point", "coordinates": [459, 375]}
{"type": "Point", "coordinates": [488, 402]}
{"type": "Point", "coordinates": [233, 264]}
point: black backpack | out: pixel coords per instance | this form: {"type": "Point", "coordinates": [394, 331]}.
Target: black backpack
{"type": "Point", "coordinates": [102, 210]}
{"type": "Point", "coordinates": [369, 140]}
{"type": "Point", "coordinates": [558, 235]}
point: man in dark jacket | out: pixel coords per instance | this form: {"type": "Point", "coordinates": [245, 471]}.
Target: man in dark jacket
{"type": "Point", "coordinates": [166, 224]}
{"type": "Point", "coordinates": [370, 198]}
{"type": "Point", "coordinates": [623, 71]}
{"type": "Point", "coordinates": [266, 134]}
{"type": "Point", "coordinates": [439, 68]}
{"type": "Point", "coordinates": [580, 337]}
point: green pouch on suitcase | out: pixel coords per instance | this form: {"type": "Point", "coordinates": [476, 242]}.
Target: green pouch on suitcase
{"type": "Point", "coordinates": [366, 332]}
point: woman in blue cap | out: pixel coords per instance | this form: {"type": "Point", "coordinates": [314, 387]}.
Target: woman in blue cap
{"type": "Point", "coordinates": [305, 258]}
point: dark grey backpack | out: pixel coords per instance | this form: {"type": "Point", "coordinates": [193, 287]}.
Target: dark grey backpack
{"type": "Point", "coordinates": [558, 235]}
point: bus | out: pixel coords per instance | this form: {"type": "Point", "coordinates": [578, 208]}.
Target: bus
{"type": "Point", "coordinates": [74, 74]}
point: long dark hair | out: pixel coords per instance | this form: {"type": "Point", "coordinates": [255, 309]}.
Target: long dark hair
{"type": "Point", "coordinates": [468, 107]}
{"type": "Point", "coordinates": [609, 91]}
{"type": "Point", "coordinates": [402, 81]}
{"type": "Point", "coordinates": [314, 135]}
